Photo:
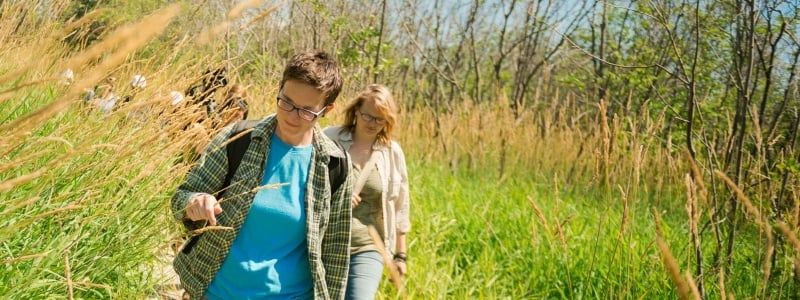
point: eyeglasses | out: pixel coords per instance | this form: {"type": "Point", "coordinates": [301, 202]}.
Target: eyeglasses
{"type": "Point", "coordinates": [372, 119]}
{"type": "Point", "coordinates": [303, 113]}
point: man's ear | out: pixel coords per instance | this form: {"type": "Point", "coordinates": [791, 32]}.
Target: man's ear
{"type": "Point", "coordinates": [330, 108]}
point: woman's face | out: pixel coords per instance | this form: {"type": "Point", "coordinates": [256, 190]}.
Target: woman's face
{"type": "Point", "coordinates": [369, 120]}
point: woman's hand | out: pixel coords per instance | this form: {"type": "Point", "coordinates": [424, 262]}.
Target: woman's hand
{"type": "Point", "coordinates": [400, 263]}
{"type": "Point", "coordinates": [355, 200]}
{"type": "Point", "coordinates": [401, 267]}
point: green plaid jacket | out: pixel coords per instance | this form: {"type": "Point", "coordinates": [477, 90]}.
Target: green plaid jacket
{"type": "Point", "coordinates": [328, 216]}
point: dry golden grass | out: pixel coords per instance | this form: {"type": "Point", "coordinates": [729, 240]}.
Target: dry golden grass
{"type": "Point", "coordinates": [554, 142]}
{"type": "Point", "coordinates": [110, 161]}
{"type": "Point", "coordinates": [567, 144]}
{"type": "Point", "coordinates": [625, 214]}
{"type": "Point", "coordinates": [686, 288]}
{"type": "Point", "coordinates": [763, 224]}
{"type": "Point", "coordinates": [262, 15]}
{"type": "Point", "coordinates": [539, 215]}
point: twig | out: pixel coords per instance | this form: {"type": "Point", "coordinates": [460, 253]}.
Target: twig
{"type": "Point", "coordinates": [397, 280]}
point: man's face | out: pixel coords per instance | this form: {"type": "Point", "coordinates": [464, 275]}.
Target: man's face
{"type": "Point", "coordinates": [294, 96]}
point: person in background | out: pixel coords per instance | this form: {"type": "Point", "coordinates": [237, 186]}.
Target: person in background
{"type": "Point", "coordinates": [175, 98]}
{"type": "Point", "coordinates": [380, 197]}
{"type": "Point", "coordinates": [234, 106]}
{"type": "Point", "coordinates": [67, 77]}
{"type": "Point", "coordinates": [103, 95]}
{"type": "Point", "coordinates": [138, 83]}
{"type": "Point", "coordinates": [283, 233]}
{"type": "Point", "coordinates": [203, 93]}
{"type": "Point", "coordinates": [139, 112]}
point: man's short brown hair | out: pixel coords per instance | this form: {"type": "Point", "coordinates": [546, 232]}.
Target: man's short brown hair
{"type": "Point", "coordinates": [318, 69]}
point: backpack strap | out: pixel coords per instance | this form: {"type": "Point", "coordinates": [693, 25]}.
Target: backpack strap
{"type": "Point", "coordinates": [337, 170]}
{"type": "Point", "coordinates": [236, 149]}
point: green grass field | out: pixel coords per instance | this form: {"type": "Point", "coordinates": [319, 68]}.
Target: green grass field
{"type": "Point", "coordinates": [538, 207]}
{"type": "Point", "coordinates": [95, 219]}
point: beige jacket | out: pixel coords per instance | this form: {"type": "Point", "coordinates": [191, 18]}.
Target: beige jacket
{"type": "Point", "coordinates": [392, 167]}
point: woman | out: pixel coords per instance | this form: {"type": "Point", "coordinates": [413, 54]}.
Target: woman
{"type": "Point", "coordinates": [380, 196]}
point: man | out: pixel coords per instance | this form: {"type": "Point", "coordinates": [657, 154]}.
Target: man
{"type": "Point", "coordinates": [281, 233]}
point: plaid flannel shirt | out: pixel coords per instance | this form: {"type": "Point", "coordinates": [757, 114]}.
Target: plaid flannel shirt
{"type": "Point", "coordinates": [328, 216]}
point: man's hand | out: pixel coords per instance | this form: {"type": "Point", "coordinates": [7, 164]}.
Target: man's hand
{"type": "Point", "coordinates": [203, 207]}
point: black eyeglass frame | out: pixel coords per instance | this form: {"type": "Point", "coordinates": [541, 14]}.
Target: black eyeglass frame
{"type": "Point", "coordinates": [301, 112]}
{"type": "Point", "coordinates": [371, 119]}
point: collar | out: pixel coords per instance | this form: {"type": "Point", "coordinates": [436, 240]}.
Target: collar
{"type": "Point", "coordinates": [346, 138]}
{"type": "Point", "coordinates": [322, 144]}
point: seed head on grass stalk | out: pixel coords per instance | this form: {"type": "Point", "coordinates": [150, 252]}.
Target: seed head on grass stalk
{"type": "Point", "coordinates": [262, 15]}
{"type": "Point", "coordinates": [625, 212]}
{"type": "Point", "coordinates": [671, 264]}
{"type": "Point", "coordinates": [691, 207]}
{"type": "Point", "coordinates": [539, 215]}
{"type": "Point", "coordinates": [205, 229]}
{"type": "Point", "coordinates": [791, 235]}
{"type": "Point", "coordinates": [68, 274]}
{"type": "Point", "coordinates": [19, 205]}
{"type": "Point", "coordinates": [25, 257]}
{"type": "Point", "coordinates": [762, 223]}
{"type": "Point", "coordinates": [697, 176]}
{"type": "Point", "coordinates": [208, 35]}
{"type": "Point", "coordinates": [254, 190]}
{"type": "Point", "coordinates": [722, 291]}
{"type": "Point", "coordinates": [43, 45]}
{"type": "Point", "coordinates": [8, 184]}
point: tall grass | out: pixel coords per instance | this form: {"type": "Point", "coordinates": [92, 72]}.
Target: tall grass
{"type": "Point", "coordinates": [559, 203]}
{"type": "Point", "coordinates": [84, 199]}
{"type": "Point", "coordinates": [526, 230]}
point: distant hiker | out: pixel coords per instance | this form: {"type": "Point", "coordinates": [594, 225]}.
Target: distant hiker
{"type": "Point", "coordinates": [67, 77]}
{"type": "Point", "coordinates": [139, 112]}
{"type": "Point", "coordinates": [203, 93]}
{"type": "Point", "coordinates": [380, 197]}
{"type": "Point", "coordinates": [102, 96]}
{"type": "Point", "coordinates": [169, 110]}
{"type": "Point", "coordinates": [289, 239]}
{"type": "Point", "coordinates": [234, 107]}
{"type": "Point", "coordinates": [138, 83]}
{"type": "Point", "coordinates": [175, 97]}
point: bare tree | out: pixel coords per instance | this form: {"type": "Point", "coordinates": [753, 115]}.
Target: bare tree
{"type": "Point", "coordinates": [544, 33]}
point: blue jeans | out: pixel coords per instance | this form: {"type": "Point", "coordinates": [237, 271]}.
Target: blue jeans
{"type": "Point", "coordinates": [366, 269]}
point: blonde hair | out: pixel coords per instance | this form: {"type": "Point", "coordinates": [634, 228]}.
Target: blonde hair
{"type": "Point", "coordinates": [236, 90]}
{"type": "Point", "coordinates": [383, 100]}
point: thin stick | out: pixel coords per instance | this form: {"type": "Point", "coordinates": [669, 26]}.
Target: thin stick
{"type": "Point", "coordinates": [397, 280]}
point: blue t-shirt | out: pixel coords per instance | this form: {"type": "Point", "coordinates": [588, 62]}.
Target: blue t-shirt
{"type": "Point", "coordinates": [269, 258]}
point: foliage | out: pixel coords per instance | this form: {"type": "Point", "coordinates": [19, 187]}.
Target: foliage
{"type": "Point", "coordinates": [553, 199]}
